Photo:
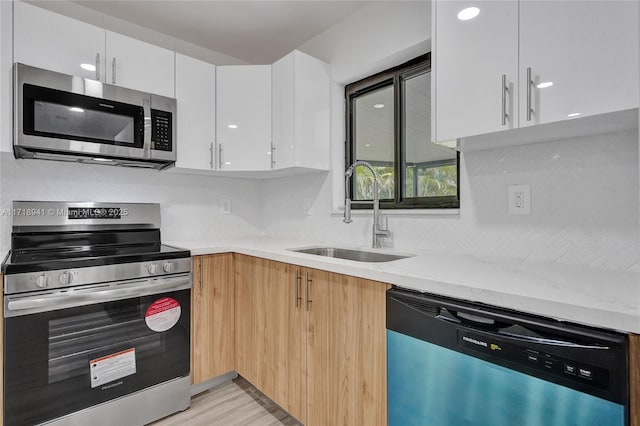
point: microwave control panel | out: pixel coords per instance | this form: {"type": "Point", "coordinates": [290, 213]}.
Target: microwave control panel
{"type": "Point", "coordinates": [161, 130]}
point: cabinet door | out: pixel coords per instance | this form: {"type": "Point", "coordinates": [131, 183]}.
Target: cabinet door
{"type": "Point", "coordinates": [357, 354]}
{"type": "Point", "coordinates": [212, 319]}
{"type": "Point", "coordinates": [587, 49]}
{"type": "Point", "coordinates": [469, 60]}
{"type": "Point", "coordinates": [55, 42]}
{"type": "Point", "coordinates": [138, 65]}
{"type": "Point", "coordinates": [270, 326]}
{"type": "Point", "coordinates": [318, 288]}
{"type": "Point", "coordinates": [301, 112]}
{"type": "Point", "coordinates": [284, 115]}
{"type": "Point", "coordinates": [245, 316]}
{"type": "Point", "coordinates": [196, 101]}
{"type": "Point", "coordinates": [243, 117]}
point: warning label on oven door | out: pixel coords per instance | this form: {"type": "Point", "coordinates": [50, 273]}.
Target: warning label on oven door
{"type": "Point", "coordinates": [112, 367]}
{"type": "Point", "coordinates": [163, 314]}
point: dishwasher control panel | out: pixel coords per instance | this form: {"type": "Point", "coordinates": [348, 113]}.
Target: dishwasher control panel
{"type": "Point", "coordinates": [527, 356]}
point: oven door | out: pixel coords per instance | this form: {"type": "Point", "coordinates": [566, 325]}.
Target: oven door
{"type": "Point", "coordinates": [58, 361]}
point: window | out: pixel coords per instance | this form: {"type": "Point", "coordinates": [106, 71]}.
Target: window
{"type": "Point", "coordinates": [389, 126]}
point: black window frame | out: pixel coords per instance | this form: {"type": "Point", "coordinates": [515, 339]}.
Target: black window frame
{"type": "Point", "coordinates": [394, 77]}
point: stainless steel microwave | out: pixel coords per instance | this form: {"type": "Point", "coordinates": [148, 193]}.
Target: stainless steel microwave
{"type": "Point", "coordinates": [63, 117]}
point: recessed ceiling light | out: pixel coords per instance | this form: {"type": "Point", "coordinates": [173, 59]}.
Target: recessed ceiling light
{"type": "Point", "coordinates": [227, 162]}
{"type": "Point", "coordinates": [367, 144]}
{"type": "Point", "coordinates": [545, 84]}
{"type": "Point", "coordinates": [378, 106]}
{"type": "Point", "coordinates": [573, 114]}
{"type": "Point", "coordinates": [232, 126]}
{"type": "Point", "coordinates": [76, 109]}
{"type": "Point", "coordinates": [88, 67]}
{"type": "Point", "coordinates": [468, 13]}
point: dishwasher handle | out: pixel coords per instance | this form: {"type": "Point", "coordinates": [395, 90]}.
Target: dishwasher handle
{"type": "Point", "coordinates": [471, 320]}
{"type": "Point", "coordinates": [508, 331]}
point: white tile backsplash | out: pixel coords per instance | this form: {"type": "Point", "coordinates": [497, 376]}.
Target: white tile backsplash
{"type": "Point", "coordinates": [190, 203]}
{"type": "Point", "coordinates": [584, 206]}
{"type": "Point", "coordinates": [584, 203]}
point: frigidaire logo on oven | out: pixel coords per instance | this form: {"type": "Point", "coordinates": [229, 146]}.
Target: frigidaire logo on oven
{"type": "Point", "coordinates": [112, 385]}
{"type": "Point", "coordinates": [474, 341]}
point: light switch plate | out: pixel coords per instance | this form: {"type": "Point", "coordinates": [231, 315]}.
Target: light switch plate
{"type": "Point", "coordinates": [519, 199]}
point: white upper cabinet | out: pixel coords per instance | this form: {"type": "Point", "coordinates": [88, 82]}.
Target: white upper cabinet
{"type": "Point", "coordinates": [138, 65]}
{"type": "Point", "coordinates": [301, 112]}
{"type": "Point", "coordinates": [558, 60]}
{"type": "Point", "coordinates": [470, 59]}
{"type": "Point", "coordinates": [55, 42]}
{"type": "Point", "coordinates": [48, 40]}
{"type": "Point", "coordinates": [196, 103]}
{"type": "Point", "coordinates": [584, 52]}
{"type": "Point", "coordinates": [243, 117]}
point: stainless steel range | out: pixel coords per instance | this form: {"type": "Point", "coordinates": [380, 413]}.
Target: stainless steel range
{"type": "Point", "coordinates": [96, 315]}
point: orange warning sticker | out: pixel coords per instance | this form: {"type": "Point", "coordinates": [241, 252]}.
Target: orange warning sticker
{"type": "Point", "coordinates": [163, 314]}
{"type": "Point", "coordinates": [112, 367]}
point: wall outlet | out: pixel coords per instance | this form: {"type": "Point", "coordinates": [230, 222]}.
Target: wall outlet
{"type": "Point", "coordinates": [519, 199]}
{"type": "Point", "coordinates": [306, 207]}
{"type": "Point", "coordinates": [225, 206]}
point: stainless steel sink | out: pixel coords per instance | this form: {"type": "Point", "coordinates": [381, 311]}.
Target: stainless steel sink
{"type": "Point", "coordinates": [351, 254]}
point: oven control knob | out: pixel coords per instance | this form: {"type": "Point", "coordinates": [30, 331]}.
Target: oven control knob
{"type": "Point", "coordinates": [43, 280]}
{"type": "Point", "coordinates": [152, 268]}
{"type": "Point", "coordinates": [65, 278]}
{"type": "Point", "coordinates": [167, 267]}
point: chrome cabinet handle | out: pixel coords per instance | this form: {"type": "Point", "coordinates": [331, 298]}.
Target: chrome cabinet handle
{"type": "Point", "coordinates": [309, 280]}
{"type": "Point", "coordinates": [211, 155]}
{"type": "Point", "coordinates": [220, 156]}
{"type": "Point", "coordinates": [273, 155]}
{"type": "Point", "coordinates": [200, 268]}
{"type": "Point", "coordinates": [98, 66]}
{"type": "Point", "coordinates": [505, 90]}
{"type": "Point", "coordinates": [113, 70]}
{"type": "Point", "coordinates": [297, 296]}
{"type": "Point", "coordinates": [529, 84]}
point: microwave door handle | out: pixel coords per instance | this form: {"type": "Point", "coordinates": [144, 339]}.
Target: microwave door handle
{"type": "Point", "coordinates": [146, 148]}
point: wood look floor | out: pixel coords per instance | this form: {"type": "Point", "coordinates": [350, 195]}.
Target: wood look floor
{"type": "Point", "coordinates": [233, 403]}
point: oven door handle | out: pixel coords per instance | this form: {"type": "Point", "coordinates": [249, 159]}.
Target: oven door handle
{"type": "Point", "coordinates": [43, 303]}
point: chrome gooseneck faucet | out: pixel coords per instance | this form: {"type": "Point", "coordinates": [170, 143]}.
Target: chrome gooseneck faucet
{"type": "Point", "coordinates": [377, 230]}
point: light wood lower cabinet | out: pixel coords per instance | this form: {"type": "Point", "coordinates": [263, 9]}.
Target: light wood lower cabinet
{"type": "Point", "coordinates": [313, 341]}
{"type": "Point", "coordinates": [212, 317]}
{"type": "Point", "coordinates": [270, 351]}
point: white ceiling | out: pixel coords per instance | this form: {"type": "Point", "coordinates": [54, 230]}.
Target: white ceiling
{"type": "Point", "coordinates": [257, 32]}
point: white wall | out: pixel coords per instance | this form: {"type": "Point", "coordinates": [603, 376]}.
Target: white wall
{"type": "Point", "coordinates": [374, 38]}
{"type": "Point", "coordinates": [190, 204]}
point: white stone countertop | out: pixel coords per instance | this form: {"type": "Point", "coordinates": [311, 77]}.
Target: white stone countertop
{"type": "Point", "coordinates": [597, 297]}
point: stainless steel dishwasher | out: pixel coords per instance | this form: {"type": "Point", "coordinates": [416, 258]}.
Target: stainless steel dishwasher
{"type": "Point", "coordinates": [454, 363]}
